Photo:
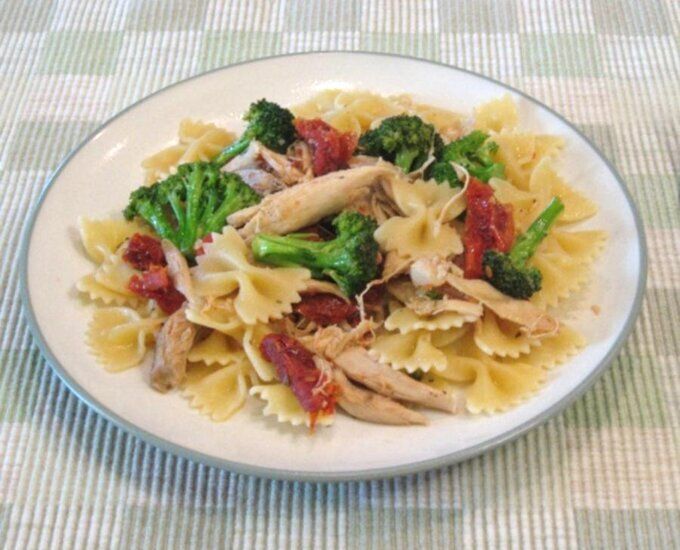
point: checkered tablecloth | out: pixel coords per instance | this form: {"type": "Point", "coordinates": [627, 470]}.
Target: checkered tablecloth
{"type": "Point", "coordinates": [603, 474]}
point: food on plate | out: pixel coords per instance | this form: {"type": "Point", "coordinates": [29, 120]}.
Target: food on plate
{"type": "Point", "coordinates": [355, 254]}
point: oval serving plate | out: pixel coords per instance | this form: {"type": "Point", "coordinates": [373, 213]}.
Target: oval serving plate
{"type": "Point", "coordinates": [96, 179]}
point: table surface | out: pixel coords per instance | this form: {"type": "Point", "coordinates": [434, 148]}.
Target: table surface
{"type": "Point", "coordinates": [605, 473]}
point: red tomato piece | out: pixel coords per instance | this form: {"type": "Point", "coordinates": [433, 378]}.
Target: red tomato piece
{"type": "Point", "coordinates": [330, 148]}
{"type": "Point", "coordinates": [143, 251]}
{"type": "Point", "coordinates": [155, 284]}
{"type": "Point", "coordinates": [488, 225]}
{"type": "Point", "coordinates": [295, 368]}
{"type": "Point", "coordinates": [326, 309]}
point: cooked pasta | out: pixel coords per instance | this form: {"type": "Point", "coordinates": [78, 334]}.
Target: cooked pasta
{"type": "Point", "coordinates": [357, 252]}
{"type": "Point", "coordinates": [197, 141]}
{"type": "Point", "coordinates": [261, 293]}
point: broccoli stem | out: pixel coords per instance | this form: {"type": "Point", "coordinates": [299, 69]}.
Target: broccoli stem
{"type": "Point", "coordinates": [404, 159]}
{"type": "Point", "coordinates": [288, 251]}
{"type": "Point", "coordinates": [528, 242]}
{"type": "Point", "coordinates": [232, 151]}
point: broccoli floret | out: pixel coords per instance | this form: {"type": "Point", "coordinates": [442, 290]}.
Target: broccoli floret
{"type": "Point", "coordinates": [351, 259]}
{"type": "Point", "coordinates": [473, 152]}
{"type": "Point", "coordinates": [191, 203]}
{"type": "Point", "coordinates": [443, 172]}
{"type": "Point", "coordinates": [268, 123]}
{"type": "Point", "coordinates": [403, 140]}
{"type": "Point", "coordinates": [509, 272]}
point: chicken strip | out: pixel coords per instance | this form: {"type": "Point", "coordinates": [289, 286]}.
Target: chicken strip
{"type": "Point", "coordinates": [308, 202]}
{"type": "Point", "coordinates": [358, 365]}
{"type": "Point", "coordinates": [435, 271]}
{"type": "Point", "coordinates": [178, 269]}
{"type": "Point", "coordinates": [369, 406]}
{"type": "Point", "coordinates": [533, 320]}
{"type": "Point", "coordinates": [172, 347]}
{"type": "Point", "coordinates": [283, 167]}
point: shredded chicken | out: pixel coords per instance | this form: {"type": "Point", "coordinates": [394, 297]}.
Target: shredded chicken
{"type": "Point", "coordinates": [332, 340]}
{"type": "Point", "coordinates": [286, 170]}
{"type": "Point", "coordinates": [283, 167]}
{"type": "Point", "coordinates": [436, 271]}
{"type": "Point", "coordinates": [432, 271]}
{"type": "Point", "coordinates": [261, 181]}
{"type": "Point", "coordinates": [363, 160]}
{"type": "Point", "coordinates": [172, 347]}
{"type": "Point", "coordinates": [308, 202]}
{"type": "Point", "coordinates": [422, 305]}
{"type": "Point", "coordinates": [242, 217]}
{"type": "Point", "coordinates": [358, 365]}
{"type": "Point", "coordinates": [372, 407]}
{"type": "Point", "coordinates": [248, 159]}
{"type": "Point", "coordinates": [178, 269]}
{"type": "Point", "coordinates": [301, 156]}
{"type": "Point", "coordinates": [531, 319]}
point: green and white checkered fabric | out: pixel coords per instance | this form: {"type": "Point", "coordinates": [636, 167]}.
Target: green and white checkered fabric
{"type": "Point", "coordinates": [604, 474]}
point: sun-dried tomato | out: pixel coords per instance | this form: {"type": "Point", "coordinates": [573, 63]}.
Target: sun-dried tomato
{"type": "Point", "coordinates": [155, 284]}
{"type": "Point", "coordinates": [488, 225]}
{"type": "Point", "coordinates": [295, 368]}
{"type": "Point", "coordinates": [330, 148]}
{"type": "Point", "coordinates": [143, 251]}
{"type": "Point", "coordinates": [327, 309]}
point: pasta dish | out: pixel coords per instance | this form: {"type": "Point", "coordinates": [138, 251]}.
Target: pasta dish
{"type": "Point", "coordinates": [356, 253]}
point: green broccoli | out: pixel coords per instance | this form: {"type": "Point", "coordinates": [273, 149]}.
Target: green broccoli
{"type": "Point", "coordinates": [443, 172]}
{"type": "Point", "coordinates": [403, 140]}
{"type": "Point", "coordinates": [268, 123]}
{"type": "Point", "coordinates": [510, 273]}
{"type": "Point", "coordinates": [473, 152]}
{"type": "Point", "coordinates": [351, 259]}
{"type": "Point", "coordinates": [191, 203]}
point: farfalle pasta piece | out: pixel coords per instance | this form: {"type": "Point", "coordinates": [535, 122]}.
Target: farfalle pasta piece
{"type": "Point", "coordinates": [490, 385]}
{"type": "Point", "coordinates": [95, 291]}
{"type": "Point", "coordinates": [218, 314]}
{"type": "Point", "coordinates": [423, 229]}
{"type": "Point", "coordinates": [261, 293]}
{"type": "Point", "coordinates": [197, 141]}
{"type": "Point", "coordinates": [216, 349]}
{"type": "Point", "coordinates": [497, 115]}
{"type": "Point", "coordinates": [109, 283]}
{"type": "Point", "coordinates": [447, 123]}
{"type": "Point", "coordinates": [546, 183]}
{"type": "Point", "coordinates": [101, 238]}
{"type": "Point", "coordinates": [521, 153]}
{"type": "Point", "coordinates": [251, 345]}
{"type": "Point", "coordinates": [525, 204]}
{"type": "Point", "coordinates": [565, 259]}
{"type": "Point", "coordinates": [582, 246]}
{"type": "Point", "coordinates": [119, 336]}
{"type": "Point", "coordinates": [495, 336]}
{"type": "Point", "coordinates": [282, 403]}
{"type": "Point", "coordinates": [347, 111]}
{"type": "Point", "coordinates": [406, 320]}
{"type": "Point", "coordinates": [554, 349]}
{"type": "Point", "coordinates": [356, 111]}
{"type": "Point", "coordinates": [216, 391]}
{"type": "Point", "coordinates": [411, 351]}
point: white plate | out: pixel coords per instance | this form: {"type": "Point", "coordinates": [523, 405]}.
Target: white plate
{"type": "Point", "coordinates": [96, 179]}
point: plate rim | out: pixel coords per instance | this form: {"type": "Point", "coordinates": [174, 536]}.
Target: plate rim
{"type": "Point", "coordinates": [332, 476]}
